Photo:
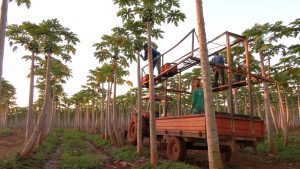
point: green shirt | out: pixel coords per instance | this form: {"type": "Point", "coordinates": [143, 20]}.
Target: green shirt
{"type": "Point", "coordinates": [198, 99]}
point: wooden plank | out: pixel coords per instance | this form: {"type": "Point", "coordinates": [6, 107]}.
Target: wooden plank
{"type": "Point", "coordinates": [181, 128]}
{"type": "Point", "coordinates": [192, 125]}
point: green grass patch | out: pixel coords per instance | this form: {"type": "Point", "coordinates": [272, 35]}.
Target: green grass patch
{"type": "Point", "coordinates": [98, 141]}
{"type": "Point", "coordinates": [6, 132]}
{"type": "Point", "coordinates": [166, 164]}
{"type": "Point", "coordinates": [127, 153]}
{"type": "Point", "coordinates": [79, 162]}
{"type": "Point", "coordinates": [77, 153]}
{"type": "Point", "coordinates": [290, 152]}
{"type": "Point", "coordinates": [38, 158]}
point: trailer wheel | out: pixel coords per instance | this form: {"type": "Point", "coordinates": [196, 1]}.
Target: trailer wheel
{"type": "Point", "coordinates": [176, 149]}
{"type": "Point", "coordinates": [225, 153]}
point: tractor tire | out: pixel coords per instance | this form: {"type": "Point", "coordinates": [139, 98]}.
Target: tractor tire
{"type": "Point", "coordinates": [176, 149]}
{"type": "Point", "coordinates": [132, 130]}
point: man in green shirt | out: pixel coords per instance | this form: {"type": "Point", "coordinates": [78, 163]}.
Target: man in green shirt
{"type": "Point", "coordinates": [197, 98]}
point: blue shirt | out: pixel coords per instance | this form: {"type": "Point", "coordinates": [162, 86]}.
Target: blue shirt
{"type": "Point", "coordinates": [217, 59]}
{"type": "Point", "coordinates": [155, 54]}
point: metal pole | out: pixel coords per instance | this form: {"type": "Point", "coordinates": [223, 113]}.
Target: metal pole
{"type": "Point", "coordinates": [229, 62]}
{"type": "Point", "coordinates": [229, 91]}
{"type": "Point", "coordinates": [249, 79]}
{"type": "Point", "coordinates": [193, 34]}
{"type": "Point", "coordinates": [179, 95]}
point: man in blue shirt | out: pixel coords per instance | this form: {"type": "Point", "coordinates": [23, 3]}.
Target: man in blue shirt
{"type": "Point", "coordinates": [155, 56]}
{"type": "Point", "coordinates": [218, 60]}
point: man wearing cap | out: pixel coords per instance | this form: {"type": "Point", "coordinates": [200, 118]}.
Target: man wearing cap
{"type": "Point", "coordinates": [155, 56]}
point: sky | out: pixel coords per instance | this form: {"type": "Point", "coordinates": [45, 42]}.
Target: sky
{"type": "Point", "coordinates": [90, 19]}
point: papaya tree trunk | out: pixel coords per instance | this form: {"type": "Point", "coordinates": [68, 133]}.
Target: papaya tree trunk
{"type": "Point", "coordinates": [298, 91]}
{"type": "Point", "coordinates": [29, 145]}
{"type": "Point", "coordinates": [115, 120]}
{"type": "Point", "coordinates": [214, 156]}
{"type": "Point", "coordinates": [29, 118]}
{"type": "Point", "coordinates": [6, 114]}
{"type": "Point", "coordinates": [109, 114]}
{"type": "Point", "coordinates": [3, 22]}
{"type": "Point", "coordinates": [286, 141]}
{"type": "Point", "coordinates": [153, 141]}
{"type": "Point", "coordinates": [85, 117]}
{"type": "Point", "coordinates": [267, 107]}
{"type": "Point", "coordinates": [283, 116]}
{"type": "Point", "coordinates": [273, 117]}
{"type": "Point", "coordinates": [93, 117]}
{"type": "Point", "coordinates": [139, 146]}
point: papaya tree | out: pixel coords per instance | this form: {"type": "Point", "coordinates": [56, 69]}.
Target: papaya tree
{"type": "Point", "coordinates": [114, 49]}
{"type": "Point", "coordinates": [143, 20]}
{"type": "Point", "coordinates": [3, 23]}
{"type": "Point", "coordinates": [27, 35]}
{"type": "Point", "coordinates": [58, 41]}
{"type": "Point", "coordinates": [214, 156]}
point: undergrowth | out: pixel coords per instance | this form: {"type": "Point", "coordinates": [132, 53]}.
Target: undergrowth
{"type": "Point", "coordinates": [166, 164]}
{"type": "Point", "coordinates": [38, 158]}
{"type": "Point", "coordinates": [290, 152]}
{"type": "Point", "coordinates": [127, 153]}
{"type": "Point", "coordinates": [6, 132]}
{"type": "Point", "coordinates": [76, 153]}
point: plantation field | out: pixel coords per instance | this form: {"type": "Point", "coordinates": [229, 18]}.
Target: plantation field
{"type": "Point", "coordinates": [66, 149]}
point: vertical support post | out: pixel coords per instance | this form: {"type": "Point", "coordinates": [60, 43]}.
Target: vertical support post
{"type": "Point", "coordinates": [193, 39]}
{"type": "Point", "coordinates": [179, 95]}
{"type": "Point", "coordinates": [249, 79]}
{"type": "Point", "coordinates": [229, 62]}
{"type": "Point", "coordinates": [229, 91]}
{"type": "Point", "coordinates": [164, 99]}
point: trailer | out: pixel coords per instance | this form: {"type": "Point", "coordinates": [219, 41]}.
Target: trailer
{"type": "Point", "coordinates": [181, 132]}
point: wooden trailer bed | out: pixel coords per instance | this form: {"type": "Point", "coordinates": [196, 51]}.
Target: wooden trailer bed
{"type": "Point", "coordinates": [193, 126]}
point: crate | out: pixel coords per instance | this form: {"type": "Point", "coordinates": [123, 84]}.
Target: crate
{"type": "Point", "coordinates": [166, 71]}
{"type": "Point", "coordinates": [145, 80]}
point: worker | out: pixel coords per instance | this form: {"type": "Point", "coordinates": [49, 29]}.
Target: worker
{"type": "Point", "coordinates": [197, 97]}
{"type": "Point", "coordinates": [155, 56]}
{"type": "Point", "coordinates": [218, 60]}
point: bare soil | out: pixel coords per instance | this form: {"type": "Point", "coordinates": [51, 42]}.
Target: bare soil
{"type": "Point", "coordinates": [52, 163]}
{"type": "Point", "coordinates": [241, 159]}
{"type": "Point", "coordinates": [12, 142]}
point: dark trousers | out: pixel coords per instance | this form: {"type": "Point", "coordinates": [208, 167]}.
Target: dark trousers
{"type": "Point", "coordinates": [219, 71]}
{"type": "Point", "coordinates": [157, 64]}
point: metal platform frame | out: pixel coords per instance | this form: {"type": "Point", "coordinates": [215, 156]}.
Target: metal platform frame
{"type": "Point", "coordinates": [190, 59]}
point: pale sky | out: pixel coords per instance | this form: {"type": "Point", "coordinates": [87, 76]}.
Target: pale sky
{"type": "Point", "coordinates": [90, 19]}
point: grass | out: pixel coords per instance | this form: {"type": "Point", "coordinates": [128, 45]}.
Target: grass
{"type": "Point", "coordinates": [290, 152]}
{"type": "Point", "coordinates": [96, 139]}
{"type": "Point", "coordinates": [166, 164]}
{"type": "Point", "coordinates": [6, 132]}
{"type": "Point", "coordinates": [127, 153]}
{"type": "Point", "coordinates": [79, 162]}
{"type": "Point", "coordinates": [76, 153]}
{"type": "Point", "coordinates": [38, 158]}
